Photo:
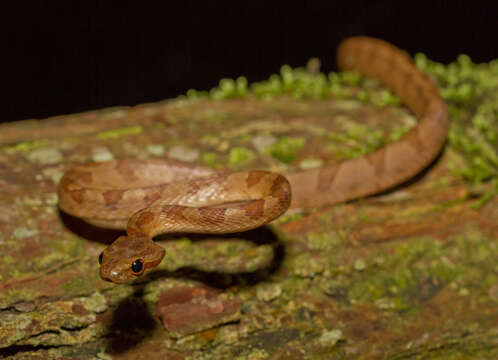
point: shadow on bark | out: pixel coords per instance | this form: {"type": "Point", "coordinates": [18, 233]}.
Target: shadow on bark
{"type": "Point", "coordinates": [131, 323]}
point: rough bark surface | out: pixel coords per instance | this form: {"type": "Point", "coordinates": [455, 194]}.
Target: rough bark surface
{"type": "Point", "coordinates": [408, 274]}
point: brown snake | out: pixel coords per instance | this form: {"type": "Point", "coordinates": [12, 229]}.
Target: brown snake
{"type": "Point", "coordinates": [153, 197]}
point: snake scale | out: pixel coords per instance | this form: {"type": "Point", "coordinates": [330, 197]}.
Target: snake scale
{"type": "Point", "coordinates": [151, 197]}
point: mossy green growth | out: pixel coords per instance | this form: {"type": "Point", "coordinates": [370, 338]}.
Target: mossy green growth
{"type": "Point", "coordinates": [78, 286]}
{"type": "Point", "coordinates": [471, 92]}
{"type": "Point", "coordinates": [18, 295]}
{"type": "Point", "coordinates": [359, 140]}
{"type": "Point", "coordinates": [400, 277]}
{"type": "Point", "coordinates": [51, 259]}
{"type": "Point", "coordinates": [325, 241]}
{"type": "Point", "coordinates": [26, 146]}
{"type": "Point", "coordinates": [300, 83]}
{"type": "Point", "coordinates": [210, 159]}
{"type": "Point", "coordinates": [117, 133]}
{"type": "Point", "coordinates": [286, 148]}
{"type": "Point", "coordinates": [240, 156]}
{"type": "Point", "coordinates": [394, 281]}
{"type": "Point", "coordinates": [226, 89]}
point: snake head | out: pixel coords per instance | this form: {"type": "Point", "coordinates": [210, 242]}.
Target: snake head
{"type": "Point", "coordinates": [129, 257]}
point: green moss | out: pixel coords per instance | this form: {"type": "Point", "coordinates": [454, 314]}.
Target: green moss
{"type": "Point", "coordinates": [25, 146]}
{"type": "Point", "coordinates": [210, 159]}
{"type": "Point", "coordinates": [117, 133]}
{"type": "Point", "coordinates": [300, 83]}
{"type": "Point", "coordinates": [226, 89]}
{"type": "Point", "coordinates": [213, 117]}
{"type": "Point", "coordinates": [396, 283]}
{"type": "Point", "coordinates": [95, 303]}
{"type": "Point", "coordinates": [357, 141]}
{"type": "Point", "coordinates": [286, 148]}
{"type": "Point", "coordinates": [351, 78]}
{"type": "Point", "coordinates": [210, 139]}
{"type": "Point", "coordinates": [471, 92]}
{"type": "Point", "coordinates": [175, 256]}
{"type": "Point", "coordinates": [8, 260]}
{"type": "Point", "coordinates": [78, 286]}
{"type": "Point", "coordinates": [397, 133]}
{"type": "Point", "coordinates": [50, 259]}
{"type": "Point", "coordinates": [385, 98]}
{"type": "Point", "coordinates": [287, 218]}
{"type": "Point", "coordinates": [240, 156]}
{"type": "Point", "coordinates": [325, 241]}
{"type": "Point", "coordinates": [70, 247]}
{"type": "Point", "coordinates": [305, 265]}
{"type": "Point", "coordinates": [18, 295]}
{"type": "Point", "coordinates": [401, 277]}
{"type": "Point", "coordinates": [194, 94]}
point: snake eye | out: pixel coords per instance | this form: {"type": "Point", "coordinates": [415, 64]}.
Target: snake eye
{"type": "Point", "coordinates": [137, 267]}
{"type": "Point", "coordinates": [100, 258]}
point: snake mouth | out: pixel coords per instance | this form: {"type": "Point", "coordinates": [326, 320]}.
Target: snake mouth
{"type": "Point", "coordinates": [111, 274]}
{"type": "Point", "coordinates": [106, 276]}
{"type": "Point", "coordinates": [114, 278]}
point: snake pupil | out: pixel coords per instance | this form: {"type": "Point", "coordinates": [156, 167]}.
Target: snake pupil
{"type": "Point", "coordinates": [100, 258]}
{"type": "Point", "coordinates": [137, 266]}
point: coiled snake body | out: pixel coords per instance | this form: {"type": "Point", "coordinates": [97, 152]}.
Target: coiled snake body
{"type": "Point", "coordinates": [156, 196]}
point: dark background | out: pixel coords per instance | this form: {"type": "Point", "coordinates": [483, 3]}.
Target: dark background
{"type": "Point", "coordinates": [72, 56]}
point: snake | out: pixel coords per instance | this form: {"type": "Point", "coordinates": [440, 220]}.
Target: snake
{"type": "Point", "coordinates": [157, 196]}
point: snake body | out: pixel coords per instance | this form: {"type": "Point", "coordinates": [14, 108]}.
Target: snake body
{"type": "Point", "coordinates": [152, 197]}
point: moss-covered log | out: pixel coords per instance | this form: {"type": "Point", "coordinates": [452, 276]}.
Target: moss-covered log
{"type": "Point", "coordinates": [408, 274]}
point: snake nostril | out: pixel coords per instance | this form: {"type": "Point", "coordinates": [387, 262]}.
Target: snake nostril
{"type": "Point", "coordinates": [100, 258]}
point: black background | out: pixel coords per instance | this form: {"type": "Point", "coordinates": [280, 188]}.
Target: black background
{"type": "Point", "coordinates": [72, 56]}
